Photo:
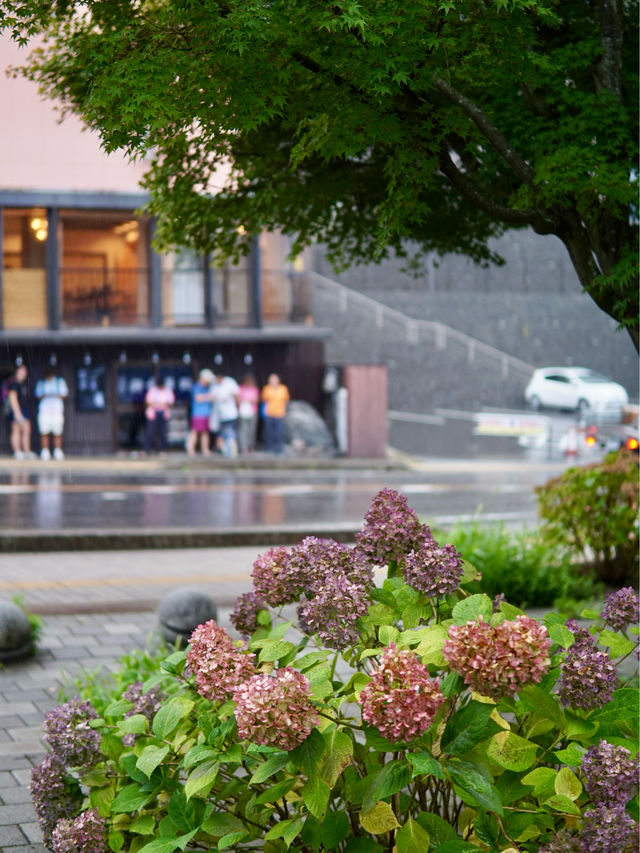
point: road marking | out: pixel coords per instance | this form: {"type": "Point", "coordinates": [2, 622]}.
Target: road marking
{"type": "Point", "coordinates": [143, 580]}
{"type": "Point", "coordinates": [114, 496]}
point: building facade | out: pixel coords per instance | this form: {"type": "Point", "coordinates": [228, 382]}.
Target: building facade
{"type": "Point", "coordinates": [82, 288]}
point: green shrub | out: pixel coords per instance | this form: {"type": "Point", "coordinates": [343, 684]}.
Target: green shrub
{"type": "Point", "coordinates": [406, 717]}
{"type": "Point", "coordinates": [527, 570]}
{"type": "Point", "coordinates": [592, 513]}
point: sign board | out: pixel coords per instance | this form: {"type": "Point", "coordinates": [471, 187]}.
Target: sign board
{"type": "Point", "coordinates": [91, 388]}
{"type": "Point", "coordinates": [505, 424]}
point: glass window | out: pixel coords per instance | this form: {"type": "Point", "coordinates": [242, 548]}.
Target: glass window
{"type": "Point", "coordinates": [24, 278]}
{"type": "Point", "coordinates": [183, 289]}
{"type": "Point", "coordinates": [104, 268]}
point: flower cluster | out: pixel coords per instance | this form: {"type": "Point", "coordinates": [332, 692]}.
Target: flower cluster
{"type": "Point", "coordinates": [275, 710]}
{"type": "Point", "coordinates": [621, 609]}
{"type": "Point", "coordinates": [218, 667]}
{"type": "Point", "coordinates": [314, 560]}
{"type": "Point", "coordinates": [611, 775]}
{"type": "Point", "coordinates": [498, 661]}
{"type": "Point", "coordinates": [85, 834]}
{"type": "Point", "coordinates": [432, 569]}
{"type": "Point", "coordinates": [334, 611]}
{"type": "Point", "coordinates": [564, 841]}
{"type": "Point", "coordinates": [391, 529]}
{"type": "Point", "coordinates": [147, 704]}
{"type": "Point", "coordinates": [588, 677]}
{"type": "Point", "coordinates": [68, 732]}
{"type": "Point", "coordinates": [54, 795]}
{"type": "Point", "coordinates": [609, 830]}
{"type": "Point", "coordinates": [401, 699]}
{"type": "Point", "coordinates": [272, 577]}
{"type": "Point", "coordinates": [244, 617]}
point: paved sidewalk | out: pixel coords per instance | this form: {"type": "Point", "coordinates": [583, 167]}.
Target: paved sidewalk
{"type": "Point", "coordinates": [29, 688]}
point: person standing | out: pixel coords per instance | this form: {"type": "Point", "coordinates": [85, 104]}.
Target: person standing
{"type": "Point", "coordinates": [224, 396]}
{"type": "Point", "coordinates": [248, 399]}
{"type": "Point", "coordinates": [200, 413]}
{"type": "Point", "coordinates": [51, 392]}
{"type": "Point", "coordinates": [19, 414]}
{"type": "Point", "coordinates": [158, 401]}
{"type": "Point", "coordinates": [275, 396]}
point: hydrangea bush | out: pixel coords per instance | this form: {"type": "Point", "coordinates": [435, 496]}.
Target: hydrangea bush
{"type": "Point", "coordinates": [374, 705]}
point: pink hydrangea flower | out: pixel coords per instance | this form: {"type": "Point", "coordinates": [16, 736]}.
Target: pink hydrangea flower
{"type": "Point", "coordinates": [391, 529]}
{"type": "Point", "coordinates": [498, 661]}
{"type": "Point", "coordinates": [275, 710]}
{"type": "Point", "coordinates": [401, 699]}
{"type": "Point", "coordinates": [218, 667]}
{"type": "Point", "coordinates": [273, 579]}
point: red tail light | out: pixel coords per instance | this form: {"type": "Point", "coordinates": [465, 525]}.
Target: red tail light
{"type": "Point", "coordinates": [590, 440]}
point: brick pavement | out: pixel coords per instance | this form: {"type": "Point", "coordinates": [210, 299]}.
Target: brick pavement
{"type": "Point", "coordinates": [29, 688]}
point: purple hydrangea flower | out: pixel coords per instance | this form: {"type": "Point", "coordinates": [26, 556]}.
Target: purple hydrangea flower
{"type": "Point", "coordinates": [245, 612]}
{"type": "Point", "coordinates": [275, 710]}
{"type": "Point", "coordinates": [621, 609]}
{"type": "Point", "coordinates": [273, 579]}
{"type": "Point", "coordinates": [314, 560]}
{"type": "Point", "coordinates": [563, 842]}
{"type": "Point", "coordinates": [587, 676]}
{"type": "Point", "coordinates": [334, 611]}
{"type": "Point", "coordinates": [67, 731]}
{"type": "Point", "coordinates": [401, 699]}
{"type": "Point", "coordinates": [218, 667]}
{"type": "Point", "coordinates": [54, 794]}
{"type": "Point", "coordinates": [391, 529]}
{"type": "Point", "coordinates": [432, 569]}
{"type": "Point", "coordinates": [609, 830]}
{"type": "Point", "coordinates": [611, 775]}
{"type": "Point", "coordinates": [87, 833]}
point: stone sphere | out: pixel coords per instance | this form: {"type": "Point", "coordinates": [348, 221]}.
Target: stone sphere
{"type": "Point", "coordinates": [15, 632]}
{"type": "Point", "coordinates": [182, 610]}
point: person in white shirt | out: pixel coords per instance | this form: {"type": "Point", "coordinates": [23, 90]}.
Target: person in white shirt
{"type": "Point", "coordinates": [224, 396]}
{"type": "Point", "coordinates": [51, 392]}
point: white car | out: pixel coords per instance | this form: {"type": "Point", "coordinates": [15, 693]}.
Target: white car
{"type": "Point", "coordinates": [576, 388]}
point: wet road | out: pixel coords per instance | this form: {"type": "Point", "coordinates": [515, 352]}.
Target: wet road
{"type": "Point", "coordinates": [55, 499]}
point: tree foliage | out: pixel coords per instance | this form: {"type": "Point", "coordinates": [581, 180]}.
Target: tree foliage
{"type": "Point", "coordinates": [366, 123]}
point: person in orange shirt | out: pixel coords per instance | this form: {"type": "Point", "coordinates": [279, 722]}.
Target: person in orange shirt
{"type": "Point", "coordinates": [275, 397]}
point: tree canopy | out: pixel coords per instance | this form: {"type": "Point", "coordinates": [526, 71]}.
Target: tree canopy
{"type": "Point", "coordinates": [366, 123]}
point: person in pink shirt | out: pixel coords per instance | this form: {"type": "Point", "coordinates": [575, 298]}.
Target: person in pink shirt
{"type": "Point", "coordinates": [248, 399]}
{"type": "Point", "coordinates": [158, 402]}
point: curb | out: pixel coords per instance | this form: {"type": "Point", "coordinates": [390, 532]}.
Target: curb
{"type": "Point", "coordinates": [18, 541]}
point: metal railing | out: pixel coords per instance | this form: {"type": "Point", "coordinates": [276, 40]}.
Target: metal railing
{"type": "Point", "coordinates": [107, 296]}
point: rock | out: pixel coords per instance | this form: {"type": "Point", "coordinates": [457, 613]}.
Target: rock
{"type": "Point", "coordinates": [182, 610]}
{"type": "Point", "coordinates": [15, 632]}
{"type": "Point", "coordinates": [305, 431]}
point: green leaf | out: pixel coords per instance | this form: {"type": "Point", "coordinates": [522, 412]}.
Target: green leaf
{"type": "Point", "coordinates": [561, 635]}
{"type": "Point", "coordinates": [275, 792]}
{"type": "Point", "coordinates": [160, 845]}
{"type": "Point", "coordinates": [571, 755]}
{"type": "Point", "coordinates": [315, 794]}
{"type": "Point", "coordinates": [544, 704]}
{"type": "Point", "coordinates": [567, 784]}
{"type": "Point", "coordinates": [424, 764]}
{"type": "Point", "coordinates": [137, 724]}
{"type": "Point", "coordinates": [116, 708]}
{"type": "Point", "coordinates": [115, 840]}
{"type": "Point", "coordinates": [201, 779]}
{"type": "Point", "coordinates": [308, 755]}
{"type": "Point", "coordinates": [150, 758]}
{"type": "Point", "coordinates": [379, 819]}
{"type": "Point", "coordinates": [334, 829]}
{"type": "Point", "coordinates": [560, 803]}
{"type": "Point", "coordinates": [221, 824]}
{"type": "Point", "coordinates": [226, 842]}
{"type": "Point", "coordinates": [130, 799]}
{"type": "Point", "coordinates": [543, 781]}
{"type": "Point", "coordinates": [379, 614]}
{"type": "Point", "coordinates": [617, 644]}
{"type": "Point", "coordinates": [286, 829]}
{"type": "Point", "coordinates": [509, 611]}
{"type": "Point", "coordinates": [143, 825]}
{"type": "Point", "coordinates": [466, 728]}
{"type": "Point", "coordinates": [469, 609]}
{"type": "Point", "coordinates": [393, 777]}
{"type": "Point", "coordinates": [199, 753]}
{"type": "Point", "coordinates": [101, 799]}
{"type": "Point", "coordinates": [275, 650]}
{"type": "Point", "coordinates": [338, 755]}
{"type": "Point", "coordinates": [587, 613]}
{"type": "Point", "coordinates": [412, 838]}
{"type": "Point", "coordinates": [429, 649]}
{"type": "Point", "coordinates": [512, 751]}
{"type": "Point", "coordinates": [387, 634]}
{"type": "Point", "coordinates": [169, 715]}
{"type": "Point", "coordinates": [473, 787]}
{"type": "Point", "coordinates": [439, 830]}
{"type": "Point", "coordinates": [175, 663]}
{"type": "Point", "coordinates": [184, 813]}
{"type": "Point", "coordinates": [578, 727]}
{"type": "Point", "coordinates": [271, 765]}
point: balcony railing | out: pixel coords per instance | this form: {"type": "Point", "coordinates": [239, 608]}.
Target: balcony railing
{"type": "Point", "coordinates": [117, 296]}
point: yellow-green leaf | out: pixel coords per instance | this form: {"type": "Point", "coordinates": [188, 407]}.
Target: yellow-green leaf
{"type": "Point", "coordinates": [379, 819]}
{"type": "Point", "coordinates": [512, 751]}
{"type": "Point", "coordinates": [567, 784]}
